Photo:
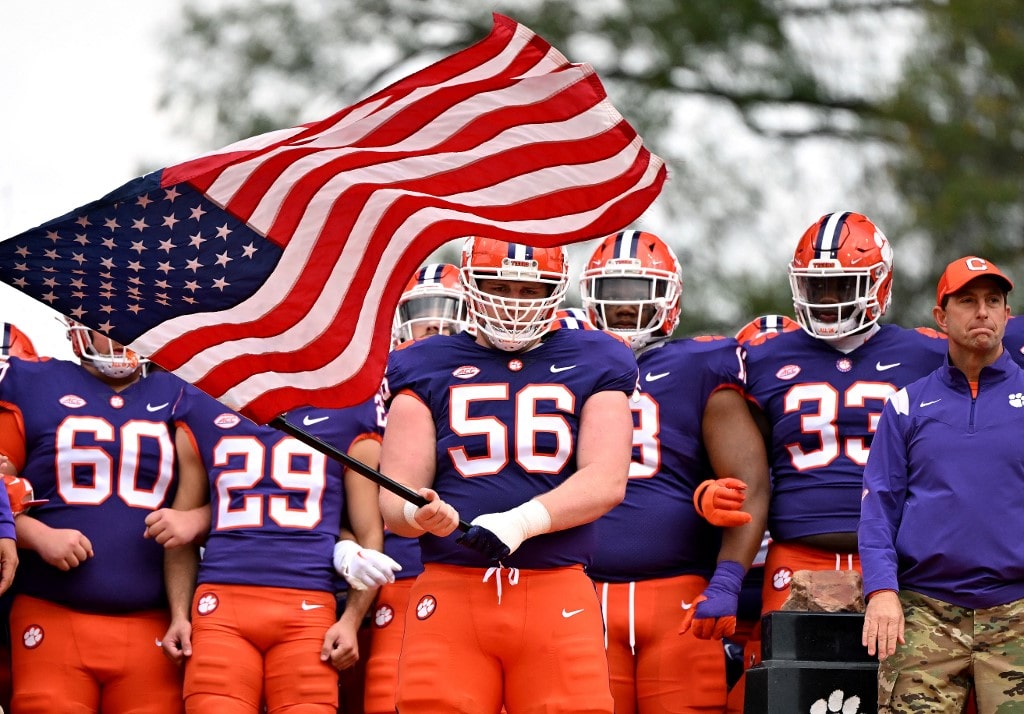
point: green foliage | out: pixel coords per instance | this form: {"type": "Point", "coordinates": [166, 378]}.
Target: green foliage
{"type": "Point", "coordinates": [769, 114]}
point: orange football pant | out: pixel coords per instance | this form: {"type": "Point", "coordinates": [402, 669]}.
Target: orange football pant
{"type": "Point", "coordinates": [476, 638]}
{"type": "Point", "coordinates": [252, 643]}
{"type": "Point", "coordinates": [64, 660]}
{"type": "Point", "coordinates": [783, 560]}
{"type": "Point", "coordinates": [386, 630]}
{"type": "Point", "coordinates": [654, 669]}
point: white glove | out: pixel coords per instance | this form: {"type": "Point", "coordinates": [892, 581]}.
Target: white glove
{"type": "Point", "coordinates": [363, 567]}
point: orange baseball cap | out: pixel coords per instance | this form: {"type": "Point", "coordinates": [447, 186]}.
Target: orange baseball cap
{"type": "Point", "coordinates": [962, 271]}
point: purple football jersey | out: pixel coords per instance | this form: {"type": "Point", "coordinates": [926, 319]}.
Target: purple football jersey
{"type": "Point", "coordinates": [507, 425]}
{"type": "Point", "coordinates": [824, 407]}
{"type": "Point", "coordinates": [656, 532]}
{"type": "Point", "coordinates": [276, 503]}
{"type": "Point", "coordinates": [1013, 340]}
{"type": "Point", "coordinates": [105, 460]}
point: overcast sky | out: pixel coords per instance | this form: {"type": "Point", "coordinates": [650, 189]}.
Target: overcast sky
{"type": "Point", "coordinates": [79, 84]}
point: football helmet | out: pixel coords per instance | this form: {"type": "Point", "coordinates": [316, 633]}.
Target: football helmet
{"type": "Point", "coordinates": [765, 325]}
{"type": "Point", "coordinates": [512, 323]}
{"type": "Point", "coordinates": [841, 276]}
{"type": "Point", "coordinates": [572, 318]}
{"type": "Point", "coordinates": [432, 303]}
{"type": "Point", "coordinates": [15, 343]}
{"type": "Point", "coordinates": [632, 286]}
{"type": "Point", "coordinates": [115, 362]}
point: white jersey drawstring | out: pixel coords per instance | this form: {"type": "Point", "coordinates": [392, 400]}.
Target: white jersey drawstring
{"type": "Point", "coordinates": [849, 561]}
{"type": "Point", "coordinates": [513, 577]}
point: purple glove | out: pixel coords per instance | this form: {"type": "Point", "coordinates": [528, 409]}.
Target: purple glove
{"type": "Point", "coordinates": [713, 613]}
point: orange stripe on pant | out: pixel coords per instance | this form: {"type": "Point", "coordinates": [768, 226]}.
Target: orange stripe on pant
{"type": "Point", "coordinates": [653, 667]}
{"type": "Point", "coordinates": [540, 649]}
{"type": "Point", "coordinates": [64, 660]}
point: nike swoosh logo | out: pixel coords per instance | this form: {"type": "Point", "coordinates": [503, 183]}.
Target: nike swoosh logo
{"type": "Point", "coordinates": [687, 605]}
{"type": "Point", "coordinates": [158, 407]}
{"type": "Point", "coordinates": [655, 377]}
{"type": "Point", "coordinates": [310, 606]}
{"type": "Point", "coordinates": [928, 404]}
{"type": "Point", "coordinates": [310, 421]}
{"type": "Point", "coordinates": [883, 367]}
{"type": "Point", "coordinates": [570, 613]}
{"type": "Point", "coordinates": [556, 370]}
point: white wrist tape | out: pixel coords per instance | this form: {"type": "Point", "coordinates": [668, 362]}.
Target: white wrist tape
{"type": "Point", "coordinates": [409, 513]}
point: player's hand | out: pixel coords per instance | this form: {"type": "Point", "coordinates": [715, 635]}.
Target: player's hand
{"type": "Point", "coordinates": [719, 501]}
{"type": "Point", "coordinates": [64, 548]}
{"type": "Point", "coordinates": [712, 614]}
{"type": "Point", "coordinates": [341, 646]}
{"type": "Point", "coordinates": [8, 562]}
{"type": "Point", "coordinates": [435, 517]}
{"type": "Point", "coordinates": [173, 528]}
{"type": "Point", "coordinates": [498, 535]}
{"type": "Point", "coordinates": [362, 567]}
{"type": "Point", "coordinates": [177, 641]}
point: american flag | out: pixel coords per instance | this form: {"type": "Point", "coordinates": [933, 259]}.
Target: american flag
{"type": "Point", "coordinates": [267, 273]}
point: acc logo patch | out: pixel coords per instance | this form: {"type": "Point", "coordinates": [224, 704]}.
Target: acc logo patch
{"type": "Point", "coordinates": [227, 421]}
{"type": "Point", "coordinates": [207, 604]}
{"type": "Point", "coordinates": [425, 607]}
{"type": "Point", "coordinates": [466, 371]}
{"type": "Point", "coordinates": [781, 578]}
{"type": "Point", "coordinates": [32, 637]}
{"type": "Point", "coordinates": [384, 616]}
{"type": "Point", "coordinates": [788, 372]}
{"type": "Point", "coordinates": [72, 401]}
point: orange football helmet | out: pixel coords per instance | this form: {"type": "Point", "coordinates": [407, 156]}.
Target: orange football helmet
{"type": "Point", "coordinates": [433, 303]}
{"type": "Point", "coordinates": [116, 361]}
{"type": "Point", "coordinates": [765, 325]}
{"type": "Point", "coordinates": [15, 343]}
{"type": "Point", "coordinates": [841, 276]}
{"type": "Point", "coordinates": [512, 323]}
{"type": "Point", "coordinates": [632, 286]}
{"type": "Point", "coordinates": [572, 318]}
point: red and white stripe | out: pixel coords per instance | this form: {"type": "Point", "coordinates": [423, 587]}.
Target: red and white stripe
{"type": "Point", "coordinates": [505, 138]}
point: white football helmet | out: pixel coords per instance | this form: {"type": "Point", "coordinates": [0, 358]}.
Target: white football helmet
{"type": "Point", "coordinates": [116, 362]}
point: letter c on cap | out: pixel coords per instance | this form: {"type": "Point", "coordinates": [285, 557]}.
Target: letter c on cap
{"type": "Point", "coordinates": [977, 264]}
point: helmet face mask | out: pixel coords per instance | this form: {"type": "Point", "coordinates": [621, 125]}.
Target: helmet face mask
{"type": "Point", "coordinates": [109, 358]}
{"type": "Point", "coordinates": [841, 276]}
{"type": "Point", "coordinates": [632, 286]}
{"type": "Point", "coordinates": [512, 290]}
{"type": "Point", "coordinates": [432, 303]}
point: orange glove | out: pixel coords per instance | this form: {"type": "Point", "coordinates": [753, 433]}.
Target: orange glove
{"type": "Point", "coordinates": [719, 501]}
{"type": "Point", "coordinates": [20, 494]}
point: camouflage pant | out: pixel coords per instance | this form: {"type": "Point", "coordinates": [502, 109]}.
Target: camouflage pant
{"type": "Point", "coordinates": [948, 648]}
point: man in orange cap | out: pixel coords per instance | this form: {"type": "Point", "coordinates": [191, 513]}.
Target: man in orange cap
{"type": "Point", "coordinates": [940, 514]}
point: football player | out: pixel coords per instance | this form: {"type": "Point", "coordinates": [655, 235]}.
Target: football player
{"type": "Point", "coordinates": [259, 623]}
{"type": "Point", "coordinates": [818, 393]}
{"type": "Point", "coordinates": [96, 441]}
{"type": "Point", "coordinates": [525, 433]}
{"type": "Point", "coordinates": [433, 303]}
{"type": "Point", "coordinates": [659, 561]}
